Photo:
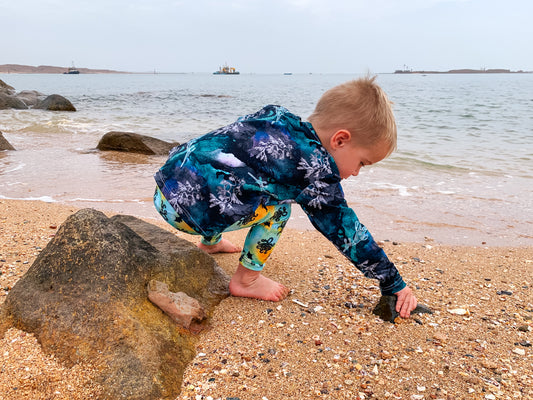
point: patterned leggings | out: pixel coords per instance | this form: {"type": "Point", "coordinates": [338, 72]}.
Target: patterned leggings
{"type": "Point", "coordinates": [266, 225]}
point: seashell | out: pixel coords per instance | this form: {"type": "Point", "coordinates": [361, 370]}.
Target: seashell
{"type": "Point", "coordinates": [459, 311]}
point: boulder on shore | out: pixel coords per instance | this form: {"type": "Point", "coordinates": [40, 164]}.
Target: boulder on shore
{"type": "Point", "coordinates": [4, 144]}
{"type": "Point", "coordinates": [55, 102]}
{"type": "Point", "coordinates": [8, 101]}
{"type": "Point", "coordinates": [134, 143]}
{"type": "Point", "coordinates": [5, 88]}
{"type": "Point", "coordinates": [86, 299]}
{"type": "Point", "coordinates": [30, 97]}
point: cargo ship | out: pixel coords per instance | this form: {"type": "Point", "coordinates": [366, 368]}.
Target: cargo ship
{"type": "Point", "coordinates": [226, 70]}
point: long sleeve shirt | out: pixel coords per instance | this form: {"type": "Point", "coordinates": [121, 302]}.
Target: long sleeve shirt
{"type": "Point", "coordinates": [269, 157]}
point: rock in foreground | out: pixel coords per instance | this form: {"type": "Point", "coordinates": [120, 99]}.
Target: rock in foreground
{"type": "Point", "coordinates": [85, 298]}
{"type": "Point", "coordinates": [134, 143]}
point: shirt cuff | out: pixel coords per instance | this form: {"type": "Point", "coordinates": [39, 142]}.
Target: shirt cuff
{"type": "Point", "coordinates": [389, 288]}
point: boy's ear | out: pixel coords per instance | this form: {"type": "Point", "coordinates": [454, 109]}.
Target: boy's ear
{"type": "Point", "coordinates": [340, 138]}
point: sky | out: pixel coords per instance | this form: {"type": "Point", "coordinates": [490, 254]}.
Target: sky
{"type": "Point", "coordinates": [268, 36]}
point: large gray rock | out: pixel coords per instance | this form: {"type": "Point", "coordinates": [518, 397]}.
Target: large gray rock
{"type": "Point", "coordinates": [4, 144]}
{"type": "Point", "coordinates": [134, 143]}
{"type": "Point", "coordinates": [5, 88]}
{"type": "Point", "coordinates": [8, 101]}
{"type": "Point", "coordinates": [85, 298]}
{"type": "Point", "coordinates": [55, 102]}
{"type": "Point", "coordinates": [31, 97]}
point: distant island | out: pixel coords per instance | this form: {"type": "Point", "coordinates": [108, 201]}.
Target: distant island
{"type": "Point", "coordinates": [464, 71]}
{"type": "Point", "coordinates": [48, 69]}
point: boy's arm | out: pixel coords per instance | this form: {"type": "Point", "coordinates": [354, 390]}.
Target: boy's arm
{"type": "Point", "coordinates": [339, 223]}
{"type": "Point", "coordinates": [342, 227]}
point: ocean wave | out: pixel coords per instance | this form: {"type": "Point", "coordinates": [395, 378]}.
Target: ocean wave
{"type": "Point", "coordinates": [16, 168]}
{"type": "Point", "coordinates": [411, 162]}
{"type": "Point", "coordinates": [46, 199]}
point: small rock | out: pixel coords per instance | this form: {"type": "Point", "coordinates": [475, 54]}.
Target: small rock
{"type": "Point", "coordinates": [504, 293]}
{"type": "Point", "coordinates": [178, 306]}
{"type": "Point", "coordinates": [386, 309]}
{"type": "Point", "coordinates": [440, 337]}
{"type": "Point", "coordinates": [489, 364]}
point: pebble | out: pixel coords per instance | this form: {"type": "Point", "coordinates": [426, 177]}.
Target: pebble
{"type": "Point", "coordinates": [440, 337]}
{"type": "Point", "coordinates": [520, 352]}
{"type": "Point", "coordinates": [504, 292]}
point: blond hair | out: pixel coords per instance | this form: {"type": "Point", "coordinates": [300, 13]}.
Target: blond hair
{"type": "Point", "coordinates": [361, 107]}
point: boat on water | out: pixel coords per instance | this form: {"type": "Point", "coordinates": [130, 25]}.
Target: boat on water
{"type": "Point", "coordinates": [226, 70]}
{"type": "Point", "coordinates": [71, 70]}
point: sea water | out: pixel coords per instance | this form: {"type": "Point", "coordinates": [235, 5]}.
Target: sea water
{"type": "Point", "coordinates": [462, 173]}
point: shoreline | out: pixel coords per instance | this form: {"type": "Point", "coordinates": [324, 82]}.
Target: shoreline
{"type": "Point", "coordinates": [384, 224]}
{"type": "Point", "coordinates": [327, 350]}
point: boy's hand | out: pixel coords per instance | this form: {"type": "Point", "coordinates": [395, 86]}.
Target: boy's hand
{"type": "Point", "coordinates": [406, 302]}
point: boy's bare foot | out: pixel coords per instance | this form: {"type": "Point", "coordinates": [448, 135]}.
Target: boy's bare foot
{"type": "Point", "coordinates": [224, 246]}
{"type": "Point", "coordinates": [248, 283]}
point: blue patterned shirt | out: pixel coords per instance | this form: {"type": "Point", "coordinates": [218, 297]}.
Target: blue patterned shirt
{"type": "Point", "coordinates": [269, 157]}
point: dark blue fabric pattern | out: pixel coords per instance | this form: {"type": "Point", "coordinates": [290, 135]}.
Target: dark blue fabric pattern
{"type": "Point", "coordinates": [269, 157]}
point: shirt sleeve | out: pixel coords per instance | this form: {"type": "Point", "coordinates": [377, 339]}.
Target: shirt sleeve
{"type": "Point", "coordinates": [330, 214]}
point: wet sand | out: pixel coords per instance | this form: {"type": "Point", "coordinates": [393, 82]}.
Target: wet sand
{"type": "Point", "coordinates": [323, 342]}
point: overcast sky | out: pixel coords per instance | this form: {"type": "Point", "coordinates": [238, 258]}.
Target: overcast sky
{"type": "Point", "coordinates": [262, 36]}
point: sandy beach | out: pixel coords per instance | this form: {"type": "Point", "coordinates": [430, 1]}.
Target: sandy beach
{"type": "Point", "coordinates": [322, 342]}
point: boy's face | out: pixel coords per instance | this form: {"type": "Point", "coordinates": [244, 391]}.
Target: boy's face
{"type": "Point", "coordinates": [350, 158]}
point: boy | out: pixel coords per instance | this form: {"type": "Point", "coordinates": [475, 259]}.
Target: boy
{"type": "Point", "coordinates": [245, 175]}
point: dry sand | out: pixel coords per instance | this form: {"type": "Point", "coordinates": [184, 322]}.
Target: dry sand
{"type": "Point", "coordinates": [323, 341]}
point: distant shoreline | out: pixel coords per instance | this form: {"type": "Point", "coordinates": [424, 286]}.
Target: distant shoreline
{"type": "Point", "coordinates": [464, 71]}
{"type": "Point", "coordinates": [49, 69]}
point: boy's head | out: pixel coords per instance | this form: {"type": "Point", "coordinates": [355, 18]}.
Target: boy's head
{"type": "Point", "coordinates": [355, 117]}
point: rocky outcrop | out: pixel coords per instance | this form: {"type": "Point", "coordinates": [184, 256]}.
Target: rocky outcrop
{"type": "Point", "coordinates": [86, 298]}
{"type": "Point", "coordinates": [55, 102]}
{"type": "Point", "coordinates": [5, 88]}
{"type": "Point", "coordinates": [4, 144]}
{"type": "Point", "coordinates": [134, 143]}
{"type": "Point", "coordinates": [8, 101]}
{"type": "Point", "coordinates": [32, 99]}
